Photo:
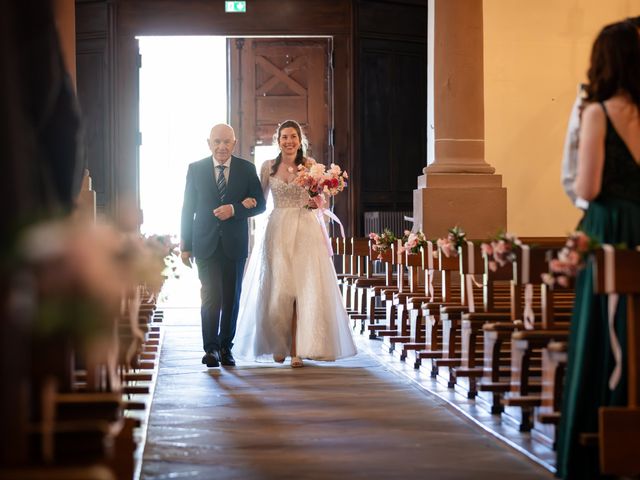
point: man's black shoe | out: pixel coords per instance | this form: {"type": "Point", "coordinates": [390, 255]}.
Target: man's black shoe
{"type": "Point", "coordinates": [226, 358]}
{"type": "Point", "coordinates": [211, 359]}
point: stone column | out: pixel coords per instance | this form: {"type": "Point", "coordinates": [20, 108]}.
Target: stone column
{"type": "Point", "coordinates": [458, 186]}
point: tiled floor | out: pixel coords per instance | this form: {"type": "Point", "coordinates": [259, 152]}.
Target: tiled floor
{"type": "Point", "coordinates": [357, 418]}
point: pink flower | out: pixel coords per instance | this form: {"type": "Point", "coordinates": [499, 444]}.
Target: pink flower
{"type": "Point", "coordinates": [486, 249]}
{"type": "Point", "coordinates": [499, 248]}
{"type": "Point", "coordinates": [556, 265]}
{"type": "Point", "coordinates": [582, 242]}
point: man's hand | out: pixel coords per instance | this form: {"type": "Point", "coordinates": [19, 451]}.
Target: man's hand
{"type": "Point", "coordinates": [185, 256]}
{"type": "Point", "coordinates": [249, 202]}
{"type": "Point", "coordinates": [223, 212]}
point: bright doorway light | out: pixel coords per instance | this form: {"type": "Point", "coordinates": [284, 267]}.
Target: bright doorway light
{"type": "Point", "coordinates": [183, 93]}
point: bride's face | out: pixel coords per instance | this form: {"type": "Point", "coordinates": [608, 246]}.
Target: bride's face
{"type": "Point", "coordinates": [289, 141]}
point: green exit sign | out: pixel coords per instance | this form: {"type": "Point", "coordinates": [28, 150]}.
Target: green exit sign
{"type": "Point", "coordinates": [235, 7]}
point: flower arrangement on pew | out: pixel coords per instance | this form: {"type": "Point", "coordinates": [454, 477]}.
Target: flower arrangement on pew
{"type": "Point", "coordinates": [382, 242]}
{"type": "Point", "coordinates": [454, 239]}
{"type": "Point", "coordinates": [570, 259]}
{"type": "Point", "coordinates": [501, 250]}
{"type": "Point", "coordinates": [80, 279]}
{"type": "Point", "coordinates": [165, 247]}
{"type": "Point", "coordinates": [320, 182]}
{"type": "Point", "coordinates": [77, 275]}
{"type": "Point", "coordinates": [413, 242]}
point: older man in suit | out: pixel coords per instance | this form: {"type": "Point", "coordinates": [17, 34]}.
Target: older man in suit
{"type": "Point", "coordinates": [221, 192]}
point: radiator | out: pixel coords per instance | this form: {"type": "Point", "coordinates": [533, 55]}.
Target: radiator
{"type": "Point", "coordinates": [394, 221]}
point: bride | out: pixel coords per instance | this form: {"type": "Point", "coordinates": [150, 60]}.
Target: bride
{"type": "Point", "coordinates": [290, 303]}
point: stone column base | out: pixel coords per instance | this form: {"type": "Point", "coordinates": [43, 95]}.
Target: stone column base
{"type": "Point", "coordinates": [475, 202]}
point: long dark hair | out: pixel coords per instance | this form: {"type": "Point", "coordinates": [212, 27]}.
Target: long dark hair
{"type": "Point", "coordinates": [615, 63]}
{"type": "Point", "coordinates": [301, 150]}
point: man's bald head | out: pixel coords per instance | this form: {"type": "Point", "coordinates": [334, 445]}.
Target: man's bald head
{"type": "Point", "coordinates": [222, 141]}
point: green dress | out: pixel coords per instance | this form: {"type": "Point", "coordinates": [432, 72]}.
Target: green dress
{"type": "Point", "coordinates": [614, 218]}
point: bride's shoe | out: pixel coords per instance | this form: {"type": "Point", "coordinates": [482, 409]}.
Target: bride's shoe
{"type": "Point", "coordinates": [296, 362]}
{"type": "Point", "coordinates": [278, 358]}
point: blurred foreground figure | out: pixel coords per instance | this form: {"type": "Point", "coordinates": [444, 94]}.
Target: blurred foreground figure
{"type": "Point", "coordinates": [41, 174]}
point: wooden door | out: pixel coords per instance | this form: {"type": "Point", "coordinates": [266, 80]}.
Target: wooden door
{"type": "Point", "coordinates": [275, 79]}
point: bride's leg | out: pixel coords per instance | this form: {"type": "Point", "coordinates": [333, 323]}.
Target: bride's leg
{"type": "Point", "coordinates": [295, 360]}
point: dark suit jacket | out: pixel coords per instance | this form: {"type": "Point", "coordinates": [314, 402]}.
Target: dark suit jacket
{"type": "Point", "coordinates": [200, 229]}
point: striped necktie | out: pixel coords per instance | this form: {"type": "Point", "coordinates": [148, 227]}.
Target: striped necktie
{"type": "Point", "coordinates": [221, 182]}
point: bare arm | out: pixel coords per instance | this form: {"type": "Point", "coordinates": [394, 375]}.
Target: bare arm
{"type": "Point", "coordinates": [591, 152]}
{"type": "Point", "coordinates": [265, 173]}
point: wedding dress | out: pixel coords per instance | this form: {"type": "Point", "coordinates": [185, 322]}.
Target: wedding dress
{"type": "Point", "coordinates": [291, 264]}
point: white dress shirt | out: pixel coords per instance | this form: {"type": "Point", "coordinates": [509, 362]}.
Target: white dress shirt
{"type": "Point", "coordinates": [570, 152]}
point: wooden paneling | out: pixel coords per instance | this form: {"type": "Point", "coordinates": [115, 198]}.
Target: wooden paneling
{"type": "Point", "coordinates": [93, 65]}
{"type": "Point", "coordinates": [91, 85]}
{"type": "Point", "coordinates": [206, 17]}
{"type": "Point", "coordinates": [394, 20]}
{"type": "Point", "coordinates": [390, 126]}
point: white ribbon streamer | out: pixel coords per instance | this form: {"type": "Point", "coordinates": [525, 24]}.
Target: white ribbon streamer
{"type": "Point", "coordinates": [526, 261]}
{"type": "Point", "coordinates": [430, 272]}
{"type": "Point", "coordinates": [528, 316]}
{"type": "Point", "coordinates": [470, 258]}
{"type": "Point", "coordinates": [469, 280]}
{"type": "Point", "coordinates": [612, 305]}
{"type": "Point", "coordinates": [332, 216]}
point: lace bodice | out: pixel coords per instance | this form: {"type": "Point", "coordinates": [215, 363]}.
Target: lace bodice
{"type": "Point", "coordinates": [285, 195]}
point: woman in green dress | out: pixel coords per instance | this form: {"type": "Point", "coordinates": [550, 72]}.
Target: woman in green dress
{"type": "Point", "coordinates": [609, 178]}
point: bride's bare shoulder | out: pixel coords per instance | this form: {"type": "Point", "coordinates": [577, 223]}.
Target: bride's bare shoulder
{"type": "Point", "coordinates": [266, 165]}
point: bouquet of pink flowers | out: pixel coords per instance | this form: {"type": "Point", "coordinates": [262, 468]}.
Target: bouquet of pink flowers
{"type": "Point", "coordinates": [383, 241]}
{"type": "Point", "coordinates": [413, 241]}
{"type": "Point", "coordinates": [570, 259]}
{"type": "Point", "coordinates": [454, 239]}
{"type": "Point", "coordinates": [501, 250]}
{"type": "Point", "coordinates": [317, 180]}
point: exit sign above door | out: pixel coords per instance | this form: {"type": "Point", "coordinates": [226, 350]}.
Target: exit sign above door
{"type": "Point", "coordinates": [235, 7]}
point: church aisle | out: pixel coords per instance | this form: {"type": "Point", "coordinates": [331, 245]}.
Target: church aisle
{"type": "Point", "coordinates": [350, 419]}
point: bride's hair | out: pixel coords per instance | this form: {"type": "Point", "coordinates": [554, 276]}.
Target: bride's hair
{"type": "Point", "coordinates": [303, 143]}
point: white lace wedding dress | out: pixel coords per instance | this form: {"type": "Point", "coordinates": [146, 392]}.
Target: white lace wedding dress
{"type": "Point", "coordinates": [291, 263]}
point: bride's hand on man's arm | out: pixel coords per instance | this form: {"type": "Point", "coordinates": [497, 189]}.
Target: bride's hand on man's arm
{"type": "Point", "coordinates": [249, 202]}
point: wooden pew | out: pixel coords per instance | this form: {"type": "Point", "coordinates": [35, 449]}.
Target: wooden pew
{"type": "Point", "coordinates": [497, 331]}
{"type": "Point", "coordinates": [359, 286]}
{"type": "Point", "coordinates": [411, 265]}
{"type": "Point", "coordinates": [387, 292]}
{"type": "Point", "coordinates": [617, 272]}
{"type": "Point", "coordinates": [519, 395]}
{"type": "Point", "coordinates": [449, 294]}
{"type": "Point", "coordinates": [375, 303]}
